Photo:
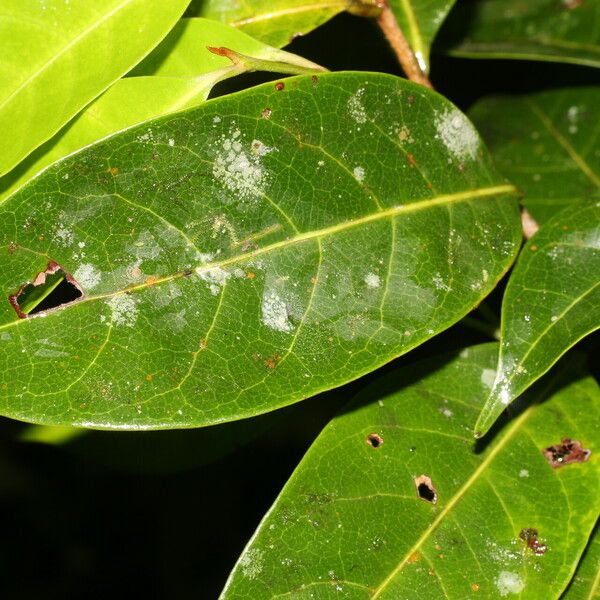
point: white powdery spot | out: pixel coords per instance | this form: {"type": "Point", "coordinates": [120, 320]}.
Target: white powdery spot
{"type": "Point", "coordinates": [238, 170]}
{"type": "Point", "coordinates": [124, 310]}
{"type": "Point", "coordinates": [215, 277]}
{"type": "Point", "coordinates": [509, 583]}
{"type": "Point", "coordinates": [523, 473]}
{"type": "Point", "coordinates": [171, 142]}
{"type": "Point", "coordinates": [252, 563]}
{"type": "Point", "coordinates": [64, 236]}
{"type": "Point", "coordinates": [355, 107]}
{"type": "Point", "coordinates": [372, 280]}
{"type": "Point", "coordinates": [275, 313]}
{"type": "Point", "coordinates": [439, 283]}
{"type": "Point", "coordinates": [87, 276]}
{"type": "Point", "coordinates": [457, 134]}
{"type": "Point", "coordinates": [446, 412]}
{"type": "Point", "coordinates": [359, 174]}
{"type": "Point", "coordinates": [488, 376]}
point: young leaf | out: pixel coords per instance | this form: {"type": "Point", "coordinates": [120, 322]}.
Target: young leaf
{"type": "Point", "coordinates": [179, 74]}
{"type": "Point", "coordinates": [546, 144]}
{"type": "Point", "coordinates": [393, 497]}
{"type": "Point", "coordinates": [57, 57]}
{"type": "Point", "coordinates": [420, 21]}
{"type": "Point", "coordinates": [553, 30]}
{"type": "Point", "coordinates": [586, 581]}
{"type": "Point", "coordinates": [249, 253]}
{"type": "Point", "coordinates": [551, 302]}
{"type": "Point", "coordinates": [275, 22]}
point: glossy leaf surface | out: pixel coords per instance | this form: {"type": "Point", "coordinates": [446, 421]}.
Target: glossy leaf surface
{"type": "Point", "coordinates": [350, 523]}
{"type": "Point", "coordinates": [585, 585]}
{"type": "Point", "coordinates": [552, 30]}
{"type": "Point", "coordinates": [552, 300]}
{"type": "Point", "coordinates": [275, 22]}
{"type": "Point", "coordinates": [420, 21]}
{"type": "Point", "coordinates": [250, 253]}
{"type": "Point", "coordinates": [57, 56]}
{"type": "Point", "coordinates": [179, 74]}
{"type": "Point", "coordinates": [547, 144]}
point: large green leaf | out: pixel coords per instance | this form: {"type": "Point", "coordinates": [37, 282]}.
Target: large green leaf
{"type": "Point", "coordinates": [275, 22]}
{"type": "Point", "coordinates": [249, 253]}
{"type": "Point", "coordinates": [350, 522]}
{"type": "Point", "coordinates": [585, 585]}
{"type": "Point", "coordinates": [420, 21]}
{"type": "Point", "coordinates": [57, 56]}
{"type": "Point", "coordinates": [179, 74]}
{"type": "Point", "coordinates": [551, 302]}
{"type": "Point", "coordinates": [553, 30]}
{"type": "Point", "coordinates": [546, 144]}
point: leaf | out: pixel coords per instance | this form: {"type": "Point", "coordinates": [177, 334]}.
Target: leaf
{"type": "Point", "coordinates": [249, 253]}
{"type": "Point", "coordinates": [552, 300]}
{"type": "Point", "coordinates": [275, 22]}
{"type": "Point", "coordinates": [586, 582]}
{"type": "Point", "coordinates": [57, 57]}
{"type": "Point", "coordinates": [420, 21]}
{"type": "Point", "coordinates": [552, 30]}
{"type": "Point", "coordinates": [546, 144]}
{"type": "Point", "coordinates": [353, 501]}
{"type": "Point", "coordinates": [179, 74]}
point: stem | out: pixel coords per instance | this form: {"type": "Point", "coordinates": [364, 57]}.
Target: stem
{"type": "Point", "coordinates": [394, 35]}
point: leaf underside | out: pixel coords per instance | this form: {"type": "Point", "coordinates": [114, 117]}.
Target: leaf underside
{"type": "Point", "coordinates": [250, 253]}
{"type": "Point", "coordinates": [546, 144]}
{"type": "Point", "coordinates": [552, 30]}
{"type": "Point", "coordinates": [356, 505]}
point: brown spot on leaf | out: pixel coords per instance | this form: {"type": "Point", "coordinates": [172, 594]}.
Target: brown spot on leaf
{"type": "Point", "coordinates": [315, 80]}
{"type": "Point", "coordinates": [425, 489]}
{"type": "Point", "coordinates": [114, 171]}
{"type": "Point", "coordinates": [266, 113]}
{"type": "Point", "coordinates": [572, 4]}
{"type": "Point", "coordinates": [475, 587]}
{"type": "Point", "coordinates": [416, 556]}
{"type": "Point", "coordinates": [272, 361]}
{"type": "Point", "coordinates": [250, 275]}
{"type": "Point", "coordinates": [374, 440]}
{"type": "Point", "coordinates": [411, 160]}
{"type": "Point", "coordinates": [567, 452]}
{"type": "Point", "coordinates": [12, 247]}
{"type": "Point", "coordinates": [530, 536]}
{"type": "Point", "coordinates": [279, 86]}
{"type": "Point", "coordinates": [533, 248]}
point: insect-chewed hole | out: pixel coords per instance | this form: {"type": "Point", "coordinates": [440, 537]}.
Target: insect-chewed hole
{"type": "Point", "coordinates": [374, 440]}
{"type": "Point", "coordinates": [425, 489]}
{"type": "Point", "coordinates": [49, 289]}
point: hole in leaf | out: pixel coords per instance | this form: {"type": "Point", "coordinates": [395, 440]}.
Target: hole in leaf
{"type": "Point", "coordinates": [567, 452]}
{"type": "Point", "coordinates": [49, 289]}
{"type": "Point", "coordinates": [425, 489]}
{"type": "Point", "coordinates": [374, 440]}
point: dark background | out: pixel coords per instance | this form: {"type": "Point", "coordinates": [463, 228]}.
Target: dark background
{"type": "Point", "coordinates": [166, 514]}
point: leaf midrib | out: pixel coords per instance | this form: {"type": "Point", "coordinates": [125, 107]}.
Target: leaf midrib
{"type": "Point", "coordinates": [416, 206]}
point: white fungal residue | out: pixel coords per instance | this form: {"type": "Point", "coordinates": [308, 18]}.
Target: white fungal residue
{"type": "Point", "coordinates": [488, 376]}
{"type": "Point", "coordinates": [238, 170]}
{"type": "Point", "coordinates": [509, 583]}
{"type": "Point", "coordinates": [63, 236]}
{"type": "Point", "coordinates": [124, 310]}
{"type": "Point", "coordinates": [359, 174]}
{"type": "Point", "coordinates": [87, 276]}
{"type": "Point", "coordinates": [457, 134]}
{"type": "Point", "coordinates": [215, 277]}
{"type": "Point", "coordinates": [355, 107]}
{"type": "Point", "coordinates": [275, 313]}
{"type": "Point", "coordinates": [523, 473]}
{"type": "Point", "coordinates": [171, 142]}
{"type": "Point", "coordinates": [372, 280]}
{"type": "Point", "coordinates": [252, 563]}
